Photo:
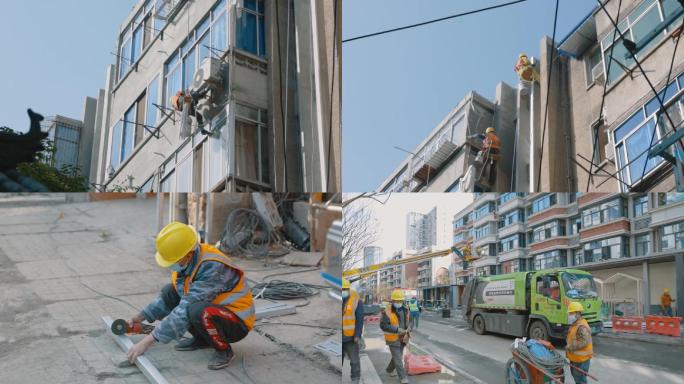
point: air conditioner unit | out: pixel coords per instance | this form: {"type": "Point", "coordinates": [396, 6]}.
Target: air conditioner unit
{"type": "Point", "coordinates": [597, 74]}
{"type": "Point", "coordinates": [208, 74]}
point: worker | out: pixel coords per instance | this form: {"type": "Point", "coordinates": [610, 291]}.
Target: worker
{"type": "Point", "coordinates": [666, 303]}
{"type": "Point", "coordinates": [352, 329]}
{"type": "Point", "coordinates": [491, 146]}
{"type": "Point", "coordinates": [208, 296]}
{"type": "Point", "coordinates": [414, 308]}
{"type": "Point", "coordinates": [396, 322]}
{"type": "Point", "coordinates": [578, 349]}
{"type": "Point", "coordinates": [525, 69]}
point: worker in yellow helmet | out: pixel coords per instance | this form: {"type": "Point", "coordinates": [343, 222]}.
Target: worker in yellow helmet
{"type": "Point", "coordinates": [208, 296]}
{"type": "Point", "coordinates": [579, 349]}
{"type": "Point", "coordinates": [396, 322]}
{"type": "Point", "coordinates": [352, 329]}
{"type": "Point", "coordinates": [491, 145]}
{"type": "Point", "coordinates": [666, 303]}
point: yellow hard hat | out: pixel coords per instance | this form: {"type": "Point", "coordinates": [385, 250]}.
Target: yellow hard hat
{"type": "Point", "coordinates": [174, 242]}
{"type": "Point", "coordinates": [345, 283]}
{"type": "Point", "coordinates": [575, 307]}
{"type": "Point", "coordinates": [489, 130]}
{"type": "Point", "coordinates": [397, 295]}
{"type": "Point", "coordinates": [522, 55]}
{"type": "Point", "coordinates": [666, 290]}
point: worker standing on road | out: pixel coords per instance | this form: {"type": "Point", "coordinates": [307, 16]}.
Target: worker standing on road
{"type": "Point", "coordinates": [491, 144]}
{"type": "Point", "coordinates": [352, 329]}
{"type": "Point", "coordinates": [578, 349]}
{"type": "Point", "coordinates": [208, 296]}
{"type": "Point", "coordinates": [396, 323]}
{"type": "Point", "coordinates": [414, 308]}
{"type": "Point", "coordinates": [666, 303]}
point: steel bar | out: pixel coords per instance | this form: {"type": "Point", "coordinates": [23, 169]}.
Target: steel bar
{"type": "Point", "coordinates": [144, 364]}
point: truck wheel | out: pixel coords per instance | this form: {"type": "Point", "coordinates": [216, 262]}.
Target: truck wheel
{"type": "Point", "coordinates": [479, 325]}
{"type": "Point", "coordinates": [538, 331]}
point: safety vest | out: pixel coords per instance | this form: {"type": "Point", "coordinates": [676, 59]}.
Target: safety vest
{"type": "Point", "coordinates": [413, 306]}
{"type": "Point", "coordinates": [583, 354]}
{"type": "Point", "coordinates": [238, 300]}
{"type": "Point", "coordinates": [394, 320]}
{"type": "Point", "coordinates": [349, 314]}
{"type": "Point", "coordinates": [492, 141]}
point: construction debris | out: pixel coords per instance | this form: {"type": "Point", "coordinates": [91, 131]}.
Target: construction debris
{"type": "Point", "coordinates": [303, 259]}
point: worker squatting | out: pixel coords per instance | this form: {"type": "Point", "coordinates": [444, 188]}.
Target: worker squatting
{"type": "Point", "coordinates": [208, 297]}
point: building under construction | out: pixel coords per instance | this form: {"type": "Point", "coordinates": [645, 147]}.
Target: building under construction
{"type": "Point", "coordinates": [217, 95]}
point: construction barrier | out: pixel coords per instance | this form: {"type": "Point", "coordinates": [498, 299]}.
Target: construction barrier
{"type": "Point", "coordinates": [372, 319]}
{"type": "Point", "coordinates": [419, 364]}
{"type": "Point", "coordinates": [628, 324]}
{"type": "Point", "coordinates": [664, 325]}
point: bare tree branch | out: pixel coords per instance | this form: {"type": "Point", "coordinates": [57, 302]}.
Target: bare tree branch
{"type": "Point", "coordinates": [359, 230]}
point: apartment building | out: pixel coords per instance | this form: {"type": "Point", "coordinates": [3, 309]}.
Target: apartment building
{"type": "Point", "coordinates": [633, 244]}
{"type": "Point", "coordinates": [265, 79]}
{"type": "Point", "coordinates": [421, 230]}
{"type": "Point", "coordinates": [441, 162]}
{"type": "Point", "coordinates": [592, 60]}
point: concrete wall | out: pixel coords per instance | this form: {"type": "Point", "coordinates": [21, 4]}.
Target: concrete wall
{"type": "Point", "coordinates": [85, 147]}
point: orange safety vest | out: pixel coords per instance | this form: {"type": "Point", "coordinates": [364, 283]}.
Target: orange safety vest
{"type": "Point", "coordinates": [492, 141]}
{"type": "Point", "coordinates": [583, 354]}
{"type": "Point", "coordinates": [239, 300]}
{"type": "Point", "coordinates": [349, 314]}
{"type": "Point", "coordinates": [394, 320]}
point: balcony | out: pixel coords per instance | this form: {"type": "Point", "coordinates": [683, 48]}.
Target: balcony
{"type": "Point", "coordinates": [517, 253]}
{"type": "Point", "coordinates": [512, 229]}
{"type": "Point", "coordinates": [491, 216]}
{"type": "Point", "coordinates": [488, 239]}
{"type": "Point", "coordinates": [482, 198]}
{"type": "Point", "coordinates": [485, 261]}
{"type": "Point", "coordinates": [641, 222]}
{"type": "Point", "coordinates": [514, 203]}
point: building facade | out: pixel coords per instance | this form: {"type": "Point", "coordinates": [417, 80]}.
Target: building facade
{"type": "Point", "coordinates": [265, 79]}
{"type": "Point", "coordinates": [421, 230]}
{"type": "Point", "coordinates": [618, 130]}
{"type": "Point", "coordinates": [633, 244]}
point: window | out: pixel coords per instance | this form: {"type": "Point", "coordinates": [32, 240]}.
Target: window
{"type": "Point", "coordinates": [507, 197]}
{"type": "Point", "coordinates": [251, 140]}
{"type": "Point", "coordinates": [593, 63]}
{"type": "Point", "coordinates": [115, 150]}
{"type": "Point", "coordinates": [489, 270]}
{"type": "Point", "coordinates": [511, 266]}
{"type": "Point", "coordinates": [481, 232]}
{"type": "Point", "coordinates": [512, 242]}
{"type": "Point", "coordinates": [66, 138]}
{"type": "Point", "coordinates": [642, 243]}
{"type": "Point", "coordinates": [613, 248]}
{"type": "Point", "coordinates": [669, 198]}
{"type": "Point", "coordinates": [543, 202]}
{"type": "Point", "coordinates": [125, 57]}
{"type": "Point", "coordinates": [455, 187]}
{"type": "Point", "coordinates": [172, 78]}
{"type": "Point", "coordinates": [128, 133]}
{"type": "Point", "coordinates": [251, 31]}
{"type": "Point", "coordinates": [139, 128]}
{"type": "Point", "coordinates": [640, 205]}
{"type": "Point", "coordinates": [578, 256]}
{"type": "Point", "coordinates": [460, 237]}
{"type": "Point", "coordinates": [547, 231]}
{"type": "Point", "coordinates": [483, 210]}
{"type": "Point", "coordinates": [516, 216]}
{"type": "Point", "coordinates": [152, 98]}
{"type": "Point", "coordinates": [552, 259]}
{"type": "Point", "coordinates": [672, 237]}
{"type": "Point", "coordinates": [603, 213]}
{"type": "Point", "coordinates": [643, 20]}
{"type": "Point", "coordinates": [138, 35]}
{"type": "Point", "coordinates": [575, 225]}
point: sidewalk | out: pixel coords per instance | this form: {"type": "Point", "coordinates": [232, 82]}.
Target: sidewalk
{"type": "Point", "coordinates": [64, 266]}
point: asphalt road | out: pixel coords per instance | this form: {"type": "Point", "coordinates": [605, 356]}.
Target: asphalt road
{"type": "Point", "coordinates": [484, 356]}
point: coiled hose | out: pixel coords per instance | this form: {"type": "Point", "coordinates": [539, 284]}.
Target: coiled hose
{"type": "Point", "coordinates": [552, 360]}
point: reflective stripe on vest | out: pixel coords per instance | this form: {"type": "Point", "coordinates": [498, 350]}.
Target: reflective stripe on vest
{"type": "Point", "coordinates": [413, 307]}
{"type": "Point", "coordinates": [394, 320]}
{"type": "Point", "coordinates": [349, 314]}
{"type": "Point", "coordinates": [584, 354]}
{"type": "Point", "coordinates": [239, 300]}
{"type": "Point", "coordinates": [492, 141]}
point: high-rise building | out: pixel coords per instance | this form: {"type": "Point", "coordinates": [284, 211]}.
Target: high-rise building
{"type": "Point", "coordinates": [633, 244]}
{"type": "Point", "coordinates": [421, 230]}
{"type": "Point", "coordinates": [264, 80]}
{"type": "Point", "coordinates": [371, 255]}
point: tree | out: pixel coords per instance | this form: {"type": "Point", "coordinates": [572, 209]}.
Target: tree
{"type": "Point", "coordinates": [359, 230]}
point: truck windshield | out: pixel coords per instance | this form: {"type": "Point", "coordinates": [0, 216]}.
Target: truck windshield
{"type": "Point", "coordinates": [579, 286]}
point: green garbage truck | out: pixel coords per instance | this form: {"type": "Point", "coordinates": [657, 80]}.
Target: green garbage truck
{"type": "Point", "coordinates": [532, 304]}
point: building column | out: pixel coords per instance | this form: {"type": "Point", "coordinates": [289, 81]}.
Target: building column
{"type": "Point", "coordinates": [646, 288]}
{"type": "Point", "coordinates": [679, 282]}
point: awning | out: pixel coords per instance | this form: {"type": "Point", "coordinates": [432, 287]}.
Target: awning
{"type": "Point", "coordinates": [581, 38]}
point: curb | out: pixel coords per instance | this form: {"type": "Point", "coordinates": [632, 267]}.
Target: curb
{"type": "Point", "coordinates": [33, 201]}
{"type": "Point", "coordinates": [448, 364]}
{"type": "Point", "coordinates": [638, 337]}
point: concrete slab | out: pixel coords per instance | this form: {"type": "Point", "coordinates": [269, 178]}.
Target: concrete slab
{"type": "Point", "coordinates": [303, 259]}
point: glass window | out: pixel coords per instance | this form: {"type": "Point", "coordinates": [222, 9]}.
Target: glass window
{"type": "Point", "coordinates": [613, 248]}
{"type": "Point", "coordinates": [593, 65]}
{"type": "Point", "coordinates": [219, 36]}
{"type": "Point", "coordinates": [152, 98]}
{"type": "Point", "coordinates": [251, 29]}
{"type": "Point", "coordinates": [636, 147]}
{"type": "Point", "coordinates": [137, 44]}
{"type": "Point", "coordinates": [189, 68]}
{"type": "Point", "coordinates": [173, 79]}
{"type": "Point", "coordinates": [640, 205]}
{"type": "Point", "coordinates": [512, 217]}
{"type": "Point", "coordinates": [547, 231]}
{"type": "Point", "coordinates": [643, 243]}
{"type": "Point", "coordinates": [669, 198]}
{"type": "Point", "coordinates": [481, 232]}
{"type": "Point", "coordinates": [128, 133]}
{"type": "Point", "coordinates": [184, 175]}
{"type": "Point", "coordinates": [672, 237]}
{"type": "Point", "coordinates": [552, 259]}
{"type": "Point", "coordinates": [512, 242]}
{"type": "Point", "coordinates": [483, 210]}
{"type": "Point", "coordinates": [543, 202]}
{"type": "Point", "coordinates": [603, 213]}
{"type": "Point", "coordinates": [575, 225]}
{"type": "Point", "coordinates": [115, 152]}
{"type": "Point", "coordinates": [125, 58]}
{"type": "Point", "coordinates": [204, 45]}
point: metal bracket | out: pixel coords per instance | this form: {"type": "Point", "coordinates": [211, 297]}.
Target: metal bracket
{"type": "Point", "coordinates": [144, 364]}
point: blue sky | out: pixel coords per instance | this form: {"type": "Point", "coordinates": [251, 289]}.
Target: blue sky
{"type": "Point", "coordinates": [54, 54]}
{"type": "Point", "coordinates": [397, 87]}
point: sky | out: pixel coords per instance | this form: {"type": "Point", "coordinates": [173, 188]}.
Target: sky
{"type": "Point", "coordinates": [397, 87]}
{"type": "Point", "coordinates": [391, 217]}
{"type": "Point", "coordinates": [54, 54]}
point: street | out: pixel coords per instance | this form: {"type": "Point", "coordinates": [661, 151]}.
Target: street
{"type": "Point", "coordinates": [483, 357]}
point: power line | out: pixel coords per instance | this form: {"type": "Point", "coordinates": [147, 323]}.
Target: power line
{"type": "Point", "coordinates": [432, 21]}
{"type": "Point", "coordinates": [332, 93]}
{"type": "Point", "coordinates": [548, 89]}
